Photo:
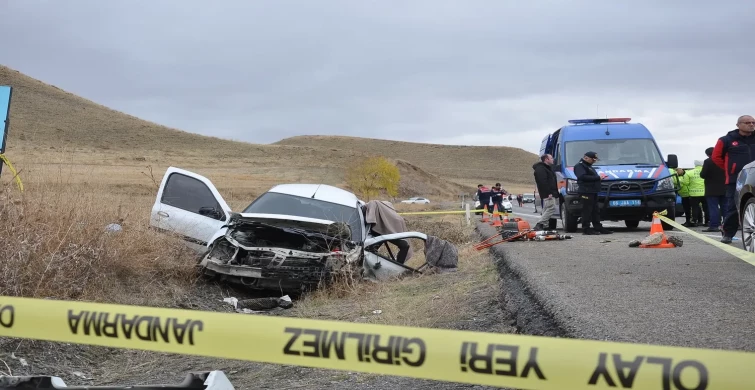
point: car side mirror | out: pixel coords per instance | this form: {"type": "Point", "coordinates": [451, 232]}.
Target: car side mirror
{"type": "Point", "coordinates": [672, 161]}
{"type": "Point", "coordinates": [210, 212]}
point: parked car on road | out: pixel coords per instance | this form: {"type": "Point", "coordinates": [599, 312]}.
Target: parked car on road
{"type": "Point", "coordinates": [745, 196]}
{"type": "Point", "coordinates": [528, 198]}
{"type": "Point", "coordinates": [507, 207]}
{"type": "Point", "coordinates": [288, 239]}
{"type": "Point", "coordinates": [416, 200]}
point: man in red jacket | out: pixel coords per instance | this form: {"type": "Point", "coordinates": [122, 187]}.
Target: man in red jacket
{"type": "Point", "coordinates": [732, 152]}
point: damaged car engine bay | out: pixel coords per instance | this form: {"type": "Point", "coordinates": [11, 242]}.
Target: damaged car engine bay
{"type": "Point", "coordinates": [261, 255]}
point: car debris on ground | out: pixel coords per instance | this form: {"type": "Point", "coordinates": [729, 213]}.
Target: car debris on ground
{"type": "Point", "coordinates": [259, 305]}
{"type": "Point", "coordinates": [656, 239]}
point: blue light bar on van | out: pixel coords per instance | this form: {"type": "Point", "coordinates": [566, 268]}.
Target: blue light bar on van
{"type": "Point", "coordinates": [598, 120]}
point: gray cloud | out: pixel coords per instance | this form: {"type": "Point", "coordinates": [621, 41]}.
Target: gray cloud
{"type": "Point", "coordinates": [432, 71]}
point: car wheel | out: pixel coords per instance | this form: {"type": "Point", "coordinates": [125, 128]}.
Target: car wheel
{"type": "Point", "coordinates": [748, 225]}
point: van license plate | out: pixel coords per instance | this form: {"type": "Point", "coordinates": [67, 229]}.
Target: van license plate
{"type": "Point", "coordinates": [625, 203]}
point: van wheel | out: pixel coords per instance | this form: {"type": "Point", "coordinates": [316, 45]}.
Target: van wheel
{"type": "Point", "coordinates": [569, 221]}
{"type": "Point", "coordinates": [632, 224]}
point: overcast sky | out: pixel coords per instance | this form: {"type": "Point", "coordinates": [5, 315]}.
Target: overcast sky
{"type": "Point", "coordinates": [450, 72]}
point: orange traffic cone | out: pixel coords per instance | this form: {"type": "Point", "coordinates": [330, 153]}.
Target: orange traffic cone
{"type": "Point", "coordinates": [657, 227]}
{"type": "Point", "coordinates": [496, 217]}
{"type": "Point", "coordinates": [485, 214]}
{"type": "Point", "coordinates": [505, 217]}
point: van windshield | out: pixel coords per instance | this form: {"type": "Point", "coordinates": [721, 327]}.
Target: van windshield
{"type": "Point", "coordinates": [614, 152]}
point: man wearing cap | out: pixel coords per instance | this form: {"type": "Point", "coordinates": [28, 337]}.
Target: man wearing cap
{"type": "Point", "coordinates": [588, 181]}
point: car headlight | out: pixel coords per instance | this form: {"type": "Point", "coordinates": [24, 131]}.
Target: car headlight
{"type": "Point", "coordinates": [571, 185]}
{"type": "Point", "coordinates": [666, 184]}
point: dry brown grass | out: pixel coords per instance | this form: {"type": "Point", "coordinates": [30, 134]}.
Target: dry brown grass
{"type": "Point", "coordinates": [55, 245]}
{"type": "Point", "coordinates": [432, 300]}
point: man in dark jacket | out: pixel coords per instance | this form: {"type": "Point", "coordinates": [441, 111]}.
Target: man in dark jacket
{"type": "Point", "coordinates": [497, 198]}
{"type": "Point", "coordinates": [484, 195]}
{"type": "Point", "coordinates": [588, 182]}
{"type": "Point", "coordinates": [715, 191]}
{"type": "Point", "coordinates": [547, 186]}
{"type": "Point", "coordinates": [732, 152]}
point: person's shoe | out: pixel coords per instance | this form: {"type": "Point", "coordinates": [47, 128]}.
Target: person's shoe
{"type": "Point", "coordinates": [726, 240]}
{"type": "Point", "coordinates": [590, 232]}
{"type": "Point", "coordinates": [689, 224]}
{"type": "Point", "coordinates": [539, 226]}
{"type": "Point", "coordinates": [603, 230]}
{"type": "Point", "coordinates": [711, 229]}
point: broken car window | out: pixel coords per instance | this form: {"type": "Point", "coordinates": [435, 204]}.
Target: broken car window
{"type": "Point", "coordinates": [275, 203]}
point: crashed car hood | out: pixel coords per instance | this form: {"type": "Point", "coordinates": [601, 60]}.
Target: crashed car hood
{"type": "Point", "coordinates": [290, 221]}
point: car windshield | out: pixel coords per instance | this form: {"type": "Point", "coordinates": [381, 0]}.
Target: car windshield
{"type": "Point", "coordinates": [615, 152]}
{"type": "Point", "coordinates": [283, 204]}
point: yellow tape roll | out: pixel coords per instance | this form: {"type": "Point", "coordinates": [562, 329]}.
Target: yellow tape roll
{"type": "Point", "coordinates": [446, 355]}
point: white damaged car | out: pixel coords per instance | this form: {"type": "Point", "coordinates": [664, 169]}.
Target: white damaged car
{"type": "Point", "coordinates": [288, 239]}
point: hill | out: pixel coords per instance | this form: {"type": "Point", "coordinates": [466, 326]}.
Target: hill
{"type": "Point", "coordinates": [52, 128]}
{"type": "Point", "coordinates": [463, 164]}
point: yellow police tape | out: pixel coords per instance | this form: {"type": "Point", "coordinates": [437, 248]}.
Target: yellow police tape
{"type": "Point", "coordinates": [445, 355]}
{"type": "Point", "coordinates": [734, 251]}
{"type": "Point", "coordinates": [5, 159]}
{"type": "Point", "coordinates": [443, 212]}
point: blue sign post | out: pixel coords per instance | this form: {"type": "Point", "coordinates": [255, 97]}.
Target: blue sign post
{"type": "Point", "coordinates": [5, 96]}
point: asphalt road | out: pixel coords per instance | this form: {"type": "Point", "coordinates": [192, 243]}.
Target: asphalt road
{"type": "Point", "coordinates": [597, 287]}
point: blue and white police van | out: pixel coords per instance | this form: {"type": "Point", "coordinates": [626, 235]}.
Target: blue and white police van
{"type": "Point", "coordinates": [638, 182]}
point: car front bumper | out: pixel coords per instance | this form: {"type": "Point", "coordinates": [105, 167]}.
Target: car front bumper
{"type": "Point", "coordinates": [648, 205]}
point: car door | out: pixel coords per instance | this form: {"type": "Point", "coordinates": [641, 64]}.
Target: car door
{"type": "Point", "coordinates": [378, 267]}
{"type": "Point", "coordinates": [189, 205]}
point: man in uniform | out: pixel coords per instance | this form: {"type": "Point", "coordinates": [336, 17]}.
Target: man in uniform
{"type": "Point", "coordinates": [588, 182]}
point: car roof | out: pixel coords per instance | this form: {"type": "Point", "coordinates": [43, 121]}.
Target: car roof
{"type": "Point", "coordinates": [321, 192]}
{"type": "Point", "coordinates": [616, 130]}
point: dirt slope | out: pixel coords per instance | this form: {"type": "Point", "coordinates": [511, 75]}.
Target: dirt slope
{"type": "Point", "coordinates": [458, 163]}
{"type": "Point", "coordinates": [47, 123]}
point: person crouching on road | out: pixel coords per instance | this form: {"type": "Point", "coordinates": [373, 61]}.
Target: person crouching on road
{"type": "Point", "coordinates": [547, 186]}
{"type": "Point", "coordinates": [715, 191]}
{"type": "Point", "coordinates": [588, 182]}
